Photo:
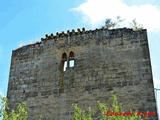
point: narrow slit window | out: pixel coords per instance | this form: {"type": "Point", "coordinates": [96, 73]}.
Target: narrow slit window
{"type": "Point", "coordinates": [64, 62]}
{"type": "Point", "coordinates": [71, 59]}
{"type": "Point", "coordinates": [65, 66]}
{"type": "Point", "coordinates": [71, 63]}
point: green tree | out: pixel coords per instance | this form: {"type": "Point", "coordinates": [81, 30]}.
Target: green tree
{"type": "Point", "coordinates": [116, 108]}
{"type": "Point", "coordinates": [104, 115]}
{"type": "Point", "coordinates": [81, 115]}
{"type": "Point", "coordinates": [19, 114]}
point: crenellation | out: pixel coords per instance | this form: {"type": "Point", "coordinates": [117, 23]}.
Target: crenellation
{"type": "Point", "coordinates": [83, 30]}
{"type": "Point", "coordinates": [79, 31]}
{"type": "Point", "coordinates": [114, 33]}
{"type": "Point", "coordinates": [46, 36]}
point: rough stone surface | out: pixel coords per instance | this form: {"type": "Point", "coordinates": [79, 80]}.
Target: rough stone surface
{"type": "Point", "coordinates": [105, 60]}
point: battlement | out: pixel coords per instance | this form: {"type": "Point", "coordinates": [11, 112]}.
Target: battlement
{"type": "Point", "coordinates": [83, 31]}
{"type": "Point", "coordinates": [109, 33]}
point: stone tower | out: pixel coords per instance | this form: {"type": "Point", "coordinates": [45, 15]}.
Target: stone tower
{"type": "Point", "coordinates": [82, 67]}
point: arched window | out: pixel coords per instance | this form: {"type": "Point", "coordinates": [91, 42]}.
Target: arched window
{"type": "Point", "coordinates": [71, 59]}
{"type": "Point", "coordinates": [64, 61]}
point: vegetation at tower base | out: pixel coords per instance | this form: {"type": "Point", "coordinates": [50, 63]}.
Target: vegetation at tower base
{"type": "Point", "coordinates": [103, 109]}
{"type": "Point", "coordinates": [19, 114]}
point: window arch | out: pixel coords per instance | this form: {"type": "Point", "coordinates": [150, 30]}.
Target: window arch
{"type": "Point", "coordinates": [64, 56]}
{"type": "Point", "coordinates": [71, 59]}
{"type": "Point", "coordinates": [64, 62]}
{"type": "Point", "coordinates": [71, 54]}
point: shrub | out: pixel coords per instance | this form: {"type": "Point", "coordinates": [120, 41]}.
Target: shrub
{"type": "Point", "coordinates": [106, 112]}
{"type": "Point", "coordinates": [19, 114]}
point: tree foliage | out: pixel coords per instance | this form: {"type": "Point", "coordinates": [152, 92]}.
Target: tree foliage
{"type": "Point", "coordinates": [116, 108]}
{"type": "Point", "coordinates": [81, 115]}
{"type": "Point", "coordinates": [19, 114]}
{"type": "Point", "coordinates": [110, 24]}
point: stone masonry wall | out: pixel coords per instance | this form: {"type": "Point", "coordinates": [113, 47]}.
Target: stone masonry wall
{"type": "Point", "coordinates": [105, 60]}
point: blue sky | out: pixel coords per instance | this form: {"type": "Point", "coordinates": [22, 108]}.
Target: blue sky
{"type": "Point", "coordinates": [26, 21]}
{"type": "Point", "coordinates": [22, 22]}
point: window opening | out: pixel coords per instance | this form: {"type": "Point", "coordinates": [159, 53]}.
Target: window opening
{"type": "Point", "coordinates": [65, 66]}
{"type": "Point", "coordinates": [71, 63]}
{"type": "Point", "coordinates": [64, 61]}
{"type": "Point", "coordinates": [71, 59]}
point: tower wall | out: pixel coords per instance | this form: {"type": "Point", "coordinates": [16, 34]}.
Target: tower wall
{"type": "Point", "coordinates": [105, 60]}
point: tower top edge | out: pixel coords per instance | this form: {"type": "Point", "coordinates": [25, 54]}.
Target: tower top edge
{"type": "Point", "coordinates": [79, 31]}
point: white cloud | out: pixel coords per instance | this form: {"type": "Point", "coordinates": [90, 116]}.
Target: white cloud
{"type": "Point", "coordinates": [95, 12]}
